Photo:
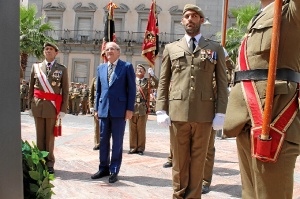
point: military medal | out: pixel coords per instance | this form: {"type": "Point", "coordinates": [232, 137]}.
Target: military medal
{"type": "Point", "coordinates": [214, 56]}
{"type": "Point", "coordinates": [138, 100]}
{"type": "Point", "coordinates": [53, 83]}
{"type": "Point", "coordinates": [202, 55]}
{"type": "Point", "coordinates": [58, 84]}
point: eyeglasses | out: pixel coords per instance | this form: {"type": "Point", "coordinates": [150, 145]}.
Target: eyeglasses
{"type": "Point", "coordinates": [111, 49]}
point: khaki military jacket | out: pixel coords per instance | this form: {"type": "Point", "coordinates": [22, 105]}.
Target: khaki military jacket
{"type": "Point", "coordinates": [191, 97]}
{"type": "Point", "coordinates": [23, 91]}
{"type": "Point", "coordinates": [258, 53]}
{"type": "Point", "coordinates": [140, 105]}
{"type": "Point", "coordinates": [58, 79]}
{"type": "Point", "coordinates": [84, 94]}
{"type": "Point", "coordinates": [76, 93]}
{"type": "Point", "coordinates": [92, 93]}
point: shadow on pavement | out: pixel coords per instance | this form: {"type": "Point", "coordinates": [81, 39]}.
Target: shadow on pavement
{"type": "Point", "coordinates": [235, 191]}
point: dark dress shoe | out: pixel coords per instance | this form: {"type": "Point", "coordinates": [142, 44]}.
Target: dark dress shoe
{"type": "Point", "coordinates": [113, 178]}
{"type": "Point", "coordinates": [140, 152]}
{"type": "Point", "coordinates": [205, 189]}
{"type": "Point", "coordinates": [167, 165]}
{"type": "Point", "coordinates": [131, 152]}
{"type": "Point", "coordinates": [100, 174]}
{"type": "Point", "coordinates": [96, 148]}
{"type": "Point", "coordinates": [51, 170]}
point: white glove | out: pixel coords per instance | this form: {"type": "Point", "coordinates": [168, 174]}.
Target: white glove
{"type": "Point", "coordinates": [92, 110]}
{"type": "Point", "coordinates": [30, 113]}
{"type": "Point", "coordinates": [61, 115]}
{"type": "Point", "coordinates": [163, 119]}
{"type": "Point", "coordinates": [150, 71]}
{"type": "Point", "coordinates": [218, 121]}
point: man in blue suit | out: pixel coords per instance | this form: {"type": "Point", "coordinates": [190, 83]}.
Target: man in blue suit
{"type": "Point", "coordinates": [114, 104]}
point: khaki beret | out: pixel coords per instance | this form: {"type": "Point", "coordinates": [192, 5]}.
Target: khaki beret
{"type": "Point", "coordinates": [140, 65]}
{"type": "Point", "coordinates": [194, 8]}
{"type": "Point", "coordinates": [52, 45]}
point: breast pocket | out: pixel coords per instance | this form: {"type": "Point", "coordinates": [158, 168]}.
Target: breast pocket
{"type": "Point", "coordinates": [178, 61]}
{"type": "Point", "coordinates": [262, 34]}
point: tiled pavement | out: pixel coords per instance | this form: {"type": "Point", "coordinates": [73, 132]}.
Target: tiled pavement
{"type": "Point", "coordinates": [140, 177]}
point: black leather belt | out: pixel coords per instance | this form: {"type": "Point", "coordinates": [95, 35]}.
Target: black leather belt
{"type": "Point", "coordinates": [262, 74]}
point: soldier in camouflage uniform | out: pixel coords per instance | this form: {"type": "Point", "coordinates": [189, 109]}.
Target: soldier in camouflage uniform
{"type": "Point", "coordinates": [70, 98]}
{"type": "Point", "coordinates": [76, 93]}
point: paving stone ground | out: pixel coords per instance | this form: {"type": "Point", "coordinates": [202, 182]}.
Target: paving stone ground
{"type": "Point", "coordinates": [140, 177]}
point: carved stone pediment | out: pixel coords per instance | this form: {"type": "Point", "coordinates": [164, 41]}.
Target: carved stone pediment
{"type": "Point", "coordinates": [49, 7]}
{"type": "Point", "coordinates": [175, 11]}
{"type": "Point", "coordinates": [142, 9]}
{"type": "Point", "coordinates": [90, 8]}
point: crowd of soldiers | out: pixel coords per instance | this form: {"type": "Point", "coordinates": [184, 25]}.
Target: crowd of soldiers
{"type": "Point", "coordinates": [78, 99]}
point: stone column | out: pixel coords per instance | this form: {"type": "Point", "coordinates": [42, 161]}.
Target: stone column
{"type": "Point", "coordinates": [11, 180]}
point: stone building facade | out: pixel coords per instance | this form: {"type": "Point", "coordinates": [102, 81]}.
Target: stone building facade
{"type": "Point", "coordinates": [79, 27]}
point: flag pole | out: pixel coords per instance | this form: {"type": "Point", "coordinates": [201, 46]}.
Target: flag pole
{"type": "Point", "coordinates": [272, 71]}
{"type": "Point", "coordinates": [225, 13]}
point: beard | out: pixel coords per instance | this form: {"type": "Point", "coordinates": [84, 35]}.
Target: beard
{"type": "Point", "coordinates": [192, 30]}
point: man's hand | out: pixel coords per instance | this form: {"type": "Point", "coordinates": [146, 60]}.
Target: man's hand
{"type": "Point", "coordinates": [30, 113]}
{"type": "Point", "coordinates": [128, 115]}
{"type": "Point", "coordinates": [61, 115]}
{"type": "Point", "coordinates": [150, 71]}
{"type": "Point", "coordinates": [218, 121]}
{"type": "Point", "coordinates": [96, 114]}
{"type": "Point", "coordinates": [163, 119]}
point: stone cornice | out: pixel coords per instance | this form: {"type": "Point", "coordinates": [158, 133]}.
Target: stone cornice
{"type": "Point", "coordinates": [49, 7]}
{"type": "Point", "coordinates": [90, 8]}
{"type": "Point", "coordinates": [175, 11]}
{"type": "Point", "coordinates": [142, 9]}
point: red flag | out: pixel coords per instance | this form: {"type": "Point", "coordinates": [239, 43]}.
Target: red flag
{"type": "Point", "coordinates": [150, 45]}
{"type": "Point", "coordinates": [109, 28]}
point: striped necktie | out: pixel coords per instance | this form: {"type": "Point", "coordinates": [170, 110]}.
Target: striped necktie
{"type": "Point", "coordinates": [110, 70]}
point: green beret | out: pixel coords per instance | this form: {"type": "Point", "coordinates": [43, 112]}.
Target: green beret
{"type": "Point", "coordinates": [194, 8]}
{"type": "Point", "coordinates": [52, 45]}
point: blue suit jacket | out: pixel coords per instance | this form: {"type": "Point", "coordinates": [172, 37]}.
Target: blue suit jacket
{"type": "Point", "coordinates": [120, 95]}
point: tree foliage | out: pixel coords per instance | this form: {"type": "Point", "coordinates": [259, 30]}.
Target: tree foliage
{"type": "Point", "coordinates": [235, 34]}
{"type": "Point", "coordinates": [33, 34]}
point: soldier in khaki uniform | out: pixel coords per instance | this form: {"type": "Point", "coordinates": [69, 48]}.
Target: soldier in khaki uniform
{"type": "Point", "coordinates": [48, 99]}
{"type": "Point", "coordinates": [190, 107]}
{"type": "Point", "coordinates": [210, 156]}
{"type": "Point", "coordinates": [23, 95]}
{"type": "Point", "coordinates": [76, 95]}
{"type": "Point", "coordinates": [137, 124]}
{"type": "Point", "coordinates": [267, 180]}
{"type": "Point", "coordinates": [92, 96]}
{"type": "Point", "coordinates": [71, 99]}
{"type": "Point", "coordinates": [84, 98]}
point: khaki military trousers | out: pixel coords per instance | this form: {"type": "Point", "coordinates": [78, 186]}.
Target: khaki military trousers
{"type": "Point", "coordinates": [262, 180]}
{"type": "Point", "coordinates": [189, 147]}
{"type": "Point", "coordinates": [45, 138]}
{"type": "Point", "coordinates": [137, 132]}
{"type": "Point", "coordinates": [96, 132]}
{"type": "Point", "coordinates": [84, 106]}
{"type": "Point", "coordinates": [209, 160]}
{"type": "Point", "coordinates": [75, 106]}
{"type": "Point", "coordinates": [23, 103]}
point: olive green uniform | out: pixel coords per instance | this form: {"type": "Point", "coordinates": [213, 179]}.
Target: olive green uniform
{"type": "Point", "coordinates": [76, 93]}
{"type": "Point", "coordinates": [261, 179]}
{"type": "Point", "coordinates": [191, 105]}
{"type": "Point", "coordinates": [137, 124]}
{"type": "Point", "coordinates": [84, 99]}
{"type": "Point", "coordinates": [43, 110]}
{"type": "Point", "coordinates": [23, 96]}
{"type": "Point", "coordinates": [92, 95]}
